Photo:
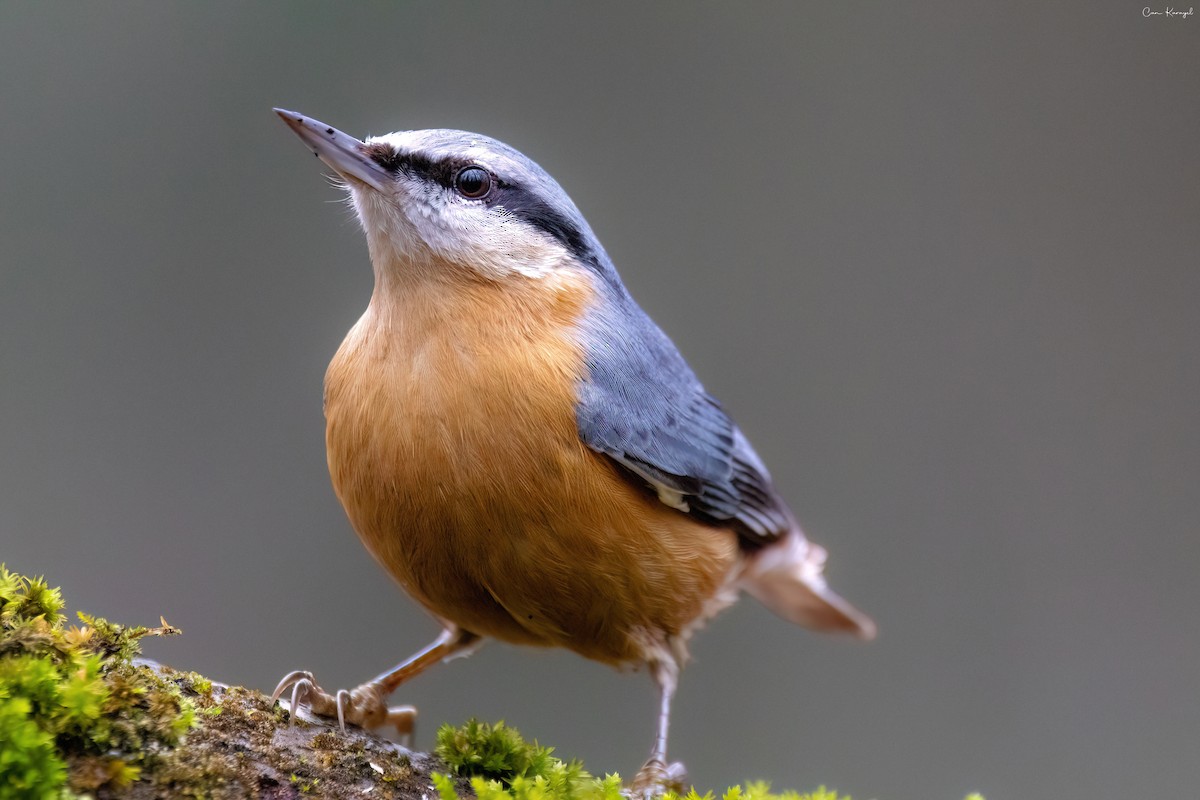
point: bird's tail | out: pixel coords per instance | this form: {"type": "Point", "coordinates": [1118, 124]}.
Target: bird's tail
{"type": "Point", "coordinates": [786, 578]}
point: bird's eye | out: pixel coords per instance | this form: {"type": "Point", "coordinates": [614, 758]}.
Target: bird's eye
{"type": "Point", "coordinates": [473, 182]}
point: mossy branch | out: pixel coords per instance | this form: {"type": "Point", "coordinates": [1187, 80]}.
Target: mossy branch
{"type": "Point", "coordinates": [82, 716]}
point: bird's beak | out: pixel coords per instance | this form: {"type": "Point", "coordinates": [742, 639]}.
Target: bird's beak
{"type": "Point", "coordinates": [342, 152]}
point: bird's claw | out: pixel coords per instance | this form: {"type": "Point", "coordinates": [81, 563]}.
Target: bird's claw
{"type": "Point", "coordinates": [656, 777]}
{"type": "Point", "coordinates": [364, 706]}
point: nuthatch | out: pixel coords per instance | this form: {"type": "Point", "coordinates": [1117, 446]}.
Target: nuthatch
{"type": "Point", "coordinates": [521, 447]}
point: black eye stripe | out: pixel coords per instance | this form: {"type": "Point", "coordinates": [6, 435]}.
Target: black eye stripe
{"type": "Point", "coordinates": [521, 202]}
{"type": "Point", "coordinates": [537, 213]}
{"type": "Point", "coordinates": [418, 165]}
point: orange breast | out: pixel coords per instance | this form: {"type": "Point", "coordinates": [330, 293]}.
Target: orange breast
{"type": "Point", "coordinates": [453, 446]}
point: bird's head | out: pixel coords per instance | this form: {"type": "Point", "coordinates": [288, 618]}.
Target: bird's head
{"type": "Point", "coordinates": [452, 200]}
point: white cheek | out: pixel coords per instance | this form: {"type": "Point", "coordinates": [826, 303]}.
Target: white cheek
{"type": "Point", "coordinates": [390, 233]}
{"type": "Point", "coordinates": [490, 242]}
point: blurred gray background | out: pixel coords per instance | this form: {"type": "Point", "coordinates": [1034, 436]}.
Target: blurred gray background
{"type": "Point", "coordinates": [939, 261]}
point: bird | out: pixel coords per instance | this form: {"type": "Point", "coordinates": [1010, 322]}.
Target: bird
{"type": "Point", "coordinates": [522, 448]}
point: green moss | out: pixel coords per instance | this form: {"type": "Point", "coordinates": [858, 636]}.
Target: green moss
{"type": "Point", "coordinates": [79, 716]}
{"type": "Point", "coordinates": [501, 765]}
{"type": "Point", "coordinates": [761, 791]}
{"type": "Point", "coordinates": [29, 764]}
{"type": "Point", "coordinates": [75, 713]}
{"type": "Point", "coordinates": [495, 752]}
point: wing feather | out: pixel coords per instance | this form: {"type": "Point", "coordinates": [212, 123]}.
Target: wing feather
{"type": "Point", "coordinates": [641, 405]}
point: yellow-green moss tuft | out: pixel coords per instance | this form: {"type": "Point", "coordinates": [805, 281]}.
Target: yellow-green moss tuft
{"type": "Point", "coordinates": [72, 694]}
{"type": "Point", "coordinates": [501, 765]}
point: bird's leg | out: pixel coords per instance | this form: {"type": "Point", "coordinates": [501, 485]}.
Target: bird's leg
{"type": "Point", "coordinates": [366, 705]}
{"type": "Point", "coordinates": [656, 775]}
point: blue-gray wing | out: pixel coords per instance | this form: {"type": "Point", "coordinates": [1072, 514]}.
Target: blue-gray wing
{"type": "Point", "coordinates": [641, 405]}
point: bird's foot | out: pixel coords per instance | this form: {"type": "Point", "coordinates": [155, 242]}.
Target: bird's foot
{"type": "Point", "coordinates": [656, 777]}
{"type": "Point", "coordinates": [365, 706]}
